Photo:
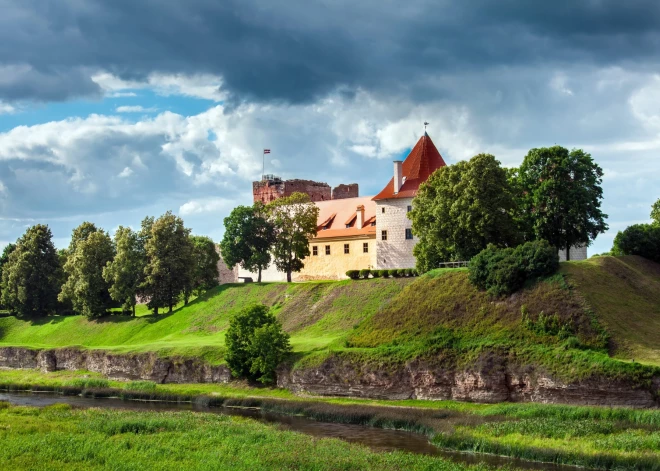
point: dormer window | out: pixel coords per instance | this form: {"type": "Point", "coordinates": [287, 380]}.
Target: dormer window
{"type": "Point", "coordinates": [348, 226]}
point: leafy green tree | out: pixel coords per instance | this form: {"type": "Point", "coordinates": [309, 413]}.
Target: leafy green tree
{"type": "Point", "coordinates": [85, 286]}
{"type": "Point", "coordinates": [561, 195]}
{"type": "Point", "coordinates": [295, 218]}
{"type": "Point", "coordinates": [81, 233]}
{"type": "Point", "coordinates": [169, 266]}
{"type": "Point", "coordinates": [124, 273]}
{"type": "Point", "coordinates": [31, 276]}
{"type": "Point", "coordinates": [248, 238]}
{"type": "Point", "coordinates": [256, 344]}
{"type": "Point", "coordinates": [205, 266]}
{"type": "Point", "coordinates": [639, 239]}
{"type": "Point", "coordinates": [4, 258]}
{"type": "Point", "coordinates": [655, 212]}
{"type": "Point", "coordinates": [460, 210]}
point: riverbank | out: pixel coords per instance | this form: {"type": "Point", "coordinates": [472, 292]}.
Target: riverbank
{"type": "Point", "coordinates": [597, 437]}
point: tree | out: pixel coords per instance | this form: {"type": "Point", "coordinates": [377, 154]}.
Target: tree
{"type": "Point", "coordinates": [205, 266]}
{"type": "Point", "coordinates": [169, 264]}
{"type": "Point", "coordinates": [31, 276]}
{"type": "Point", "coordinates": [655, 213]}
{"type": "Point", "coordinates": [4, 258]}
{"type": "Point", "coordinates": [124, 273]}
{"type": "Point", "coordinates": [256, 344]}
{"type": "Point", "coordinates": [561, 195]}
{"type": "Point", "coordinates": [248, 238]}
{"type": "Point", "coordinates": [639, 239]}
{"type": "Point", "coordinates": [295, 218]}
{"type": "Point", "coordinates": [461, 209]}
{"type": "Point", "coordinates": [85, 286]}
{"type": "Point", "coordinates": [81, 233]}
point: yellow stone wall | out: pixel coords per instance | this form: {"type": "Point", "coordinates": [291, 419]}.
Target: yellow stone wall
{"type": "Point", "coordinates": [335, 265]}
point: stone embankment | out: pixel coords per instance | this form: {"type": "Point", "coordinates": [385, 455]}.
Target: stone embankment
{"type": "Point", "coordinates": [137, 366]}
{"type": "Point", "coordinates": [494, 381]}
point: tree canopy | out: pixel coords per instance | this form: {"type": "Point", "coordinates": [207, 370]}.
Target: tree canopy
{"type": "Point", "coordinates": [205, 265]}
{"type": "Point", "coordinates": [169, 266]}
{"type": "Point", "coordinates": [295, 218]}
{"type": "Point", "coordinates": [32, 274]}
{"type": "Point", "coordinates": [655, 212]}
{"type": "Point", "coordinates": [460, 210]}
{"type": "Point", "coordinates": [560, 197]}
{"type": "Point", "coordinates": [249, 236]}
{"type": "Point", "coordinates": [124, 274]}
{"type": "Point", "coordinates": [85, 286]}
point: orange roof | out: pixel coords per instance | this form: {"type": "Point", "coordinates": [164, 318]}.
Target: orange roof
{"type": "Point", "coordinates": [423, 160]}
{"type": "Point", "coordinates": [337, 211]}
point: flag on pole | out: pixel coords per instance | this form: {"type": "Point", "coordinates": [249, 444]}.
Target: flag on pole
{"type": "Point", "coordinates": [266, 151]}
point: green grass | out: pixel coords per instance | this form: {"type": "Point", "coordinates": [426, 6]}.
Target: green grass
{"type": "Point", "coordinates": [61, 438]}
{"type": "Point", "coordinates": [317, 314]}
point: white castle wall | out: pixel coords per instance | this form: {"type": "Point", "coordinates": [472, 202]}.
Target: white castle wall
{"type": "Point", "coordinates": [396, 251]}
{"type": "Point", "coordinates": [576, 253]}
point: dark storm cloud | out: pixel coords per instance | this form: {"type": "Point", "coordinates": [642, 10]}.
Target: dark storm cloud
{"type": "Point", "coordinates": [297, 51]}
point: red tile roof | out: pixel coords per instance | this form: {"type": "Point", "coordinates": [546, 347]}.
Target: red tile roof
{"type": "Point", "coordinates": [423, 160]}
{"type": "Point", "coordinates": [336, 214]}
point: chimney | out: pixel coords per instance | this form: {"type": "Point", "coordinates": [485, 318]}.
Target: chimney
{"type": "Point", "coordinates": [359, 221]}
{"type": "Point", "coordinates": [398, 175]}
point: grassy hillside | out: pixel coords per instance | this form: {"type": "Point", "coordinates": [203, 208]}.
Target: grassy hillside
{"type": "Point", "coordinates": [316, 314]}
{"type": "Point", "coordinates": [586, 319]}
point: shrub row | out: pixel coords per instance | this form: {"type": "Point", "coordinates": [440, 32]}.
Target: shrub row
{"type": "Point", "coordinates": [394, 273]}
{"type": "Point", "coordinates": [639, 239]}
{"type": "Point", "coordinates": [504, 271]}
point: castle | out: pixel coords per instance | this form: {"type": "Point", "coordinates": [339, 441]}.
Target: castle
{"type": "Point", "coordinates": [356, 232]}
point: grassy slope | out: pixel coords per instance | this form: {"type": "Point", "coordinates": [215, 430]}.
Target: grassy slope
{"type": "Point", "coordinates": [316, 314]}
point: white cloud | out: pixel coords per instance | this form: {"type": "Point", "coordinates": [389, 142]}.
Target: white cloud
{"type": "Point", "coordinates": [559, 83]}
{"type": "Point", "coordinates": [135, 109]}
{"type": "Point", "coordinates": [206, 205]}
{"type": "Point", "coordinates": [203, 86]}
{"type": "Point", "coordinates": [127, 172]}
{"type": "Point", "coordinates": [122, 94]}
{"type": "Point", "coordinates": [6, 108]}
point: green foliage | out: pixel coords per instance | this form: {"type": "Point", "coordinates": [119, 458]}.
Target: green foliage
{"type": "Point", "coordinates": [375, 273]}
{"type": "Point", "coordinates": [205, 266]}
{"type": "Point", "coordinates": [125, 272]}
{"type": "Point", "coordinates": [638, 239]}
{"type": "Point", "coordinates": [504, 271]}
{"type": "Point", "coordinates": [88, 383]}
{"type": "Point", "coordinates": [146, 386]}
{"type": "Point", "coordinates": [551, 324]}
{"type": "Point", "coordinates": [559, 197]}
{"type": "Point", "coordinates": [256, 344]}
{"type": "Point", "coordinates": [295, 218]}
{"type": "Point", "coordinates": [85, 287]}
{"type": "Point", "coordinates": [394, 272]}
{"type": "Point", "coordinates": [353, 274]}
{"type": "Point", "coordinates": [31, 276]}
{"type": "Point", "coordinates": [249, 236]}
{"type": "Point", "coordinates": [364, 273]}
{"type": "Point", "coordinates": [169, 268]}
{"type": "Point", "coordinates": [385, 273]}
{"type": "Point", "coordinates": [460, 210]}
{"type": "Point", "coordinates": [4, 258]}
{"type": "Point", "coordinates": [655, 212]}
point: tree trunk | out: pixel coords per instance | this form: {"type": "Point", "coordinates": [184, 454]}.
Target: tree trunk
{"type": "Point", "coordinates": [259, 277]}
{"type": "Point", "coordinates": [288, 276]}
{"type": "Point", "coordinates": [568, 253]}
{"type": "Point", "coordinates": [170, 306]}
{"type": "Point", "coordinates": [133, 310]}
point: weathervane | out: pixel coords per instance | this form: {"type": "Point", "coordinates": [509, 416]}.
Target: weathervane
{"type": "Point", "coordinates": [425, 124]}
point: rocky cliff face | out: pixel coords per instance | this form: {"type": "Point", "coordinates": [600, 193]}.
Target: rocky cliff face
{"type": "Point", "coordinates": [144, 366]}
{"type": "Point", "coordinates": [494, 382]}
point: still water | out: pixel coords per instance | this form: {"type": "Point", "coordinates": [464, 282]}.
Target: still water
{"type": "Point", "coordinates": [375, 438]}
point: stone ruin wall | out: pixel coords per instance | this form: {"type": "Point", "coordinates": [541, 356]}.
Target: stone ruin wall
{"type": "Point", "coordinates": [269, 190]}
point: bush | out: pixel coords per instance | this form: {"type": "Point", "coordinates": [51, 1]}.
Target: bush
{"type": "Point", "coordinates": [394, 273]}
{"type": "Point", "coordinates": [385, 273]}
{"type": "Point", "coordinates": [364, 273]}
{"type": "Point", "coordinates": [504, 271]}
{"type": "Point", "coordinates": [409, 272]}
{"type": "Point", "coordinates": [415, 272]}
{"type": "Point", "coordinates": [639, 239]}
{"type": "Point", "coordinates": [375, 273]}
{"type": "Point", "coordinates": [256, 344]}
{"type": "Point", "coordinates": [353, 274]}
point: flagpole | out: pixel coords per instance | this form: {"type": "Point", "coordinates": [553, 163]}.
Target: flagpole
{"type": "Point", "coordinates": [263, 164]}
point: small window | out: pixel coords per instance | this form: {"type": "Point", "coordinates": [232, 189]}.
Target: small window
{"type": "Point", "coordinates": [346, 248]}
{"type": "Point", "coordinates": [382, 210]}
{"type": "Point", "coordinates": [409, 208]}
{"type": "Point", "coordinates": [373, 224]}
{"type": "Point", "coordinates": [315, 250]}
{"type": "Point", "coordinates": [365, 247]}
{"type": "Point", "coordinates": [408, 234]}
{"type": "Point", "coordinates": [327, 250]}
{"type": "Point", "coordinates": [383, 235]}
{"type": "Point", "coordinates": [348, 226]}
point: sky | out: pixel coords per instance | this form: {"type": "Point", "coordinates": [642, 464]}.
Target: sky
{"type": "Point", "coordinates": [114, 110]}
